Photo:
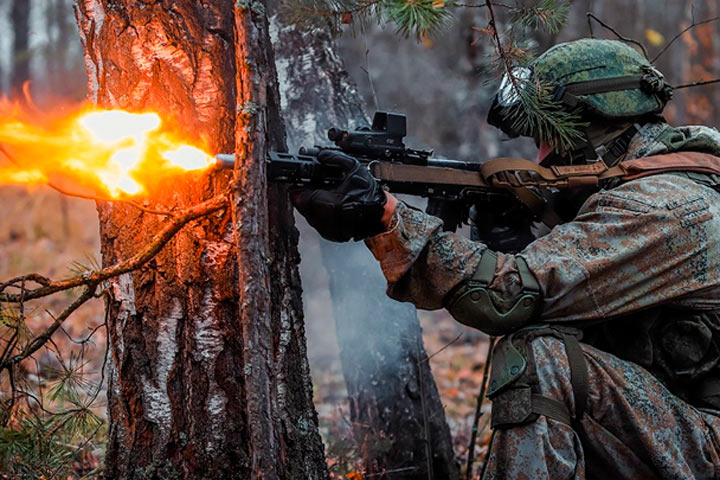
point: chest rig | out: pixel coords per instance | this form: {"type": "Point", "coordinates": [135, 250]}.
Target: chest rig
{"type": "Point", "coordinates": [680, 347]}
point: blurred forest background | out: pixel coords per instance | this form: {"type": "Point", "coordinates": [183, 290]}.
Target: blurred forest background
{"type": "Point", "coordinates": [443, 83]}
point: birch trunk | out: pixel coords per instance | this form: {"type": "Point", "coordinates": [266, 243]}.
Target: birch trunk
{"type": "Point", "coordinates": [207, 372]}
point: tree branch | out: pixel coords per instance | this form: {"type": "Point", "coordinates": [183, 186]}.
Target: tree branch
{"type": "Point", "coordinates": [478, 410]}
{"type": "Point", "coordinates": [43, 338]}
{"type": "Point", "coordinates": [49, 287]}
{"type": "Point", "coordinates": [591, 15]}
{"type": "Point", "coordinates": [680, 34]}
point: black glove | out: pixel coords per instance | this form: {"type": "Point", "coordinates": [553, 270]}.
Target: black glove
{"type": "Point", "coordinates": [352, 209]}
{"type": "Point", "coordinates": [502, 223]}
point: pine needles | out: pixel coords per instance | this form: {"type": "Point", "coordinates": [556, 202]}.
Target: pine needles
{"type": "Point", "coordinates": [538, 115]}
{"type": "Point", "coordinates": [421, 17]}
{"type": "Point", "coordinates": [548, 15]}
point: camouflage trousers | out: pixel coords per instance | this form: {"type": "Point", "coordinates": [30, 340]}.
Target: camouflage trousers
{"type": "Point", "coordinates": [632, 428]}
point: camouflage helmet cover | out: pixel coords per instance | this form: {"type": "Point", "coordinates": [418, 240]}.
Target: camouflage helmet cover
{"type": "Point", "coordinates": [592, 59]}
{"type": "Point", "coordinates": [601, 77]}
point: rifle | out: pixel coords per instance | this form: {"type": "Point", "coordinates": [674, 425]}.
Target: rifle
{"type": "Point", "coordinates": [452, 187]}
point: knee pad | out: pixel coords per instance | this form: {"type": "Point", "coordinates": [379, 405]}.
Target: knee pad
{"type": "Point", "coordinates": [514, 387]}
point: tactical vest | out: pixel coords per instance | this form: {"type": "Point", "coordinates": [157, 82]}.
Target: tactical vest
{"type": "Point", "coordinates": [680, 347]}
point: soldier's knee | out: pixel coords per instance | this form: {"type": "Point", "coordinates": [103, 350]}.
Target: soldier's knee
{"type": "Point", "coordinates": [531, 369]}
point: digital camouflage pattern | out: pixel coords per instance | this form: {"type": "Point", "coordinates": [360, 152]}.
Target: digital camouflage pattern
{"type": "Point", "coordinates": [652, 241]}
{"type": "Point", "coordinates": [593, 59]}
{"type": "Point", "coordinates": [633, 427]}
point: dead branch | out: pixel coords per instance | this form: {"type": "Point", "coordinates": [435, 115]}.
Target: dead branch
{"type": "Point", "coordinates": [478, 410]}
{"type": "Point", "coordinates": [42, 339]}
{"type": "Point", "coordinates": [48, 287]}
{"type": "Point", "coordinates": [592, 16]}
{"type": "Point", "coordinates": [680, 34]}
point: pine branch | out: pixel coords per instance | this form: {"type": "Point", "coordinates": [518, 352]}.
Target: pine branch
{"type": "Point", "coordinates": [535, 112]}
{"type": "Point", "coordinates": [550, 15]}
{"type": "Point", "coordinates": [43, 338]}
{"type": "Point", "coordinates": [421, 17]}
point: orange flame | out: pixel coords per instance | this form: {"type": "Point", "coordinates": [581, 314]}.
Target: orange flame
{"type": "Point", "coordinates": [113, 152]}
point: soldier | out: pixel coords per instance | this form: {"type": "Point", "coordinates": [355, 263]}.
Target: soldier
{"type": "Point", "coordinates": [608, 365]}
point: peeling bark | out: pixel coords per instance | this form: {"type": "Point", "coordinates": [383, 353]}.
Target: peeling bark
{"type": "Point", "coordinates": [207, 372]}
{"type": "Point", "coordinates": [396, 413]}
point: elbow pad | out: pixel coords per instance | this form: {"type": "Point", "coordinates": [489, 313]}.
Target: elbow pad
{"type": "Point", "coordinates": [470, 303]}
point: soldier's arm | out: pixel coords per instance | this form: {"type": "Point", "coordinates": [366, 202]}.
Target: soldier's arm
{"type": "Point", "coordinates": [646, 242]}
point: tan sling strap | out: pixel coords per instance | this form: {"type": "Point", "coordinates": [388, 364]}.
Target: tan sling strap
{"type": "Point", "coordinates": [512, 173]}
{"type": "Point", "coordinates": [519, 175]}
{"type": "Point", "coordinates": [517, 172]}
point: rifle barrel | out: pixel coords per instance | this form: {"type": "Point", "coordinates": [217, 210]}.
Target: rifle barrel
{"type": "Point", "coordinates": [225, 160]}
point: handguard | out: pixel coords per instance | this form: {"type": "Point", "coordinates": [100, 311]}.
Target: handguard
{"type": "Point", "coordinates": [470, 303]}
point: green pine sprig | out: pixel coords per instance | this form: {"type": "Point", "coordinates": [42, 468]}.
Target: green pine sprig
{"type": "Point", "coordinates": [548, 120]}
{"type": "Point", "coordinates": [421, 18]}
{"type": "Point", "coordinates": [549, 15]}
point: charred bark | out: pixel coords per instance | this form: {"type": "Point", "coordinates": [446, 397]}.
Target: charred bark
{"type": "Point", "coordinates": [207, 371]}
{"type": "Point", "coordinates": [396, 413]}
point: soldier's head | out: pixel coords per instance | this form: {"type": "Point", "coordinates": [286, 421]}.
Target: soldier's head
{"type": "Point", "coordinates": [578, 98]}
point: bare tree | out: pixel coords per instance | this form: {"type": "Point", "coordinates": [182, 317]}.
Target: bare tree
{"type": "Point", "coordinates": [397, 417]}
{"type": "Point", "coordinates": [20, 19]}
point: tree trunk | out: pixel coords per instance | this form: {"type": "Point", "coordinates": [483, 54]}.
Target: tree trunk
{"type": "Point", "coordinates": [20, 19]}
{"type": "Point", "coordinates": [396, 413]}
{"type": "Point", "coordinates": [207, 369]}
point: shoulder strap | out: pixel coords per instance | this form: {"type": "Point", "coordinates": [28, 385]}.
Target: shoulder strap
{"type": "Point", "coordinates": [514, 173]}
{"type": "Point", "coordinates": [670, 162]}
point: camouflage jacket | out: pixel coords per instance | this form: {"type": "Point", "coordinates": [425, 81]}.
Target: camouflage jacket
{"type": "Point", "coordinates": [651, 241]}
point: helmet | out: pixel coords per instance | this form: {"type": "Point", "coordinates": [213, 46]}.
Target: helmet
{"type": "Point", "coordinates": [576, 82]}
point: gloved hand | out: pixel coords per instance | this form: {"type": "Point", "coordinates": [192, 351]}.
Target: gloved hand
{"type": "Point", "coordinates": [352, 209]}
{"type": "Point", "coordinates": [502, 223]}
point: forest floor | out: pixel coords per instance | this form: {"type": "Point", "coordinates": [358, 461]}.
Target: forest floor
{"type": "Point", "coordinates": [457, 357]}
{"type": "Point", "coordinates": [44, 232]}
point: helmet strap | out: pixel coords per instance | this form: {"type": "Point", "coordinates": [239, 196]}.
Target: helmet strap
{"type": "Point", "coordinates": [597, 144]}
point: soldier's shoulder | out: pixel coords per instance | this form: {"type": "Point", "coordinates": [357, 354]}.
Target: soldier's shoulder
{"type": "Point", "coordinates": [660, 191]}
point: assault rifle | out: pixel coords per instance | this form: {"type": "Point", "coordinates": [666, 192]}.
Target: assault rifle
{"type": "Point", "coordinates": [452, 187]}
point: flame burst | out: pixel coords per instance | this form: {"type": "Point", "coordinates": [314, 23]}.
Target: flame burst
{"type": "Point", "coordinates": [92, 151]}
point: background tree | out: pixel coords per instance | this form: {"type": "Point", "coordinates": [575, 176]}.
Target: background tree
{"type": "Point", "coordinates": [20, 18]}
{"type": "Point", "coordinates": [395, 410]}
